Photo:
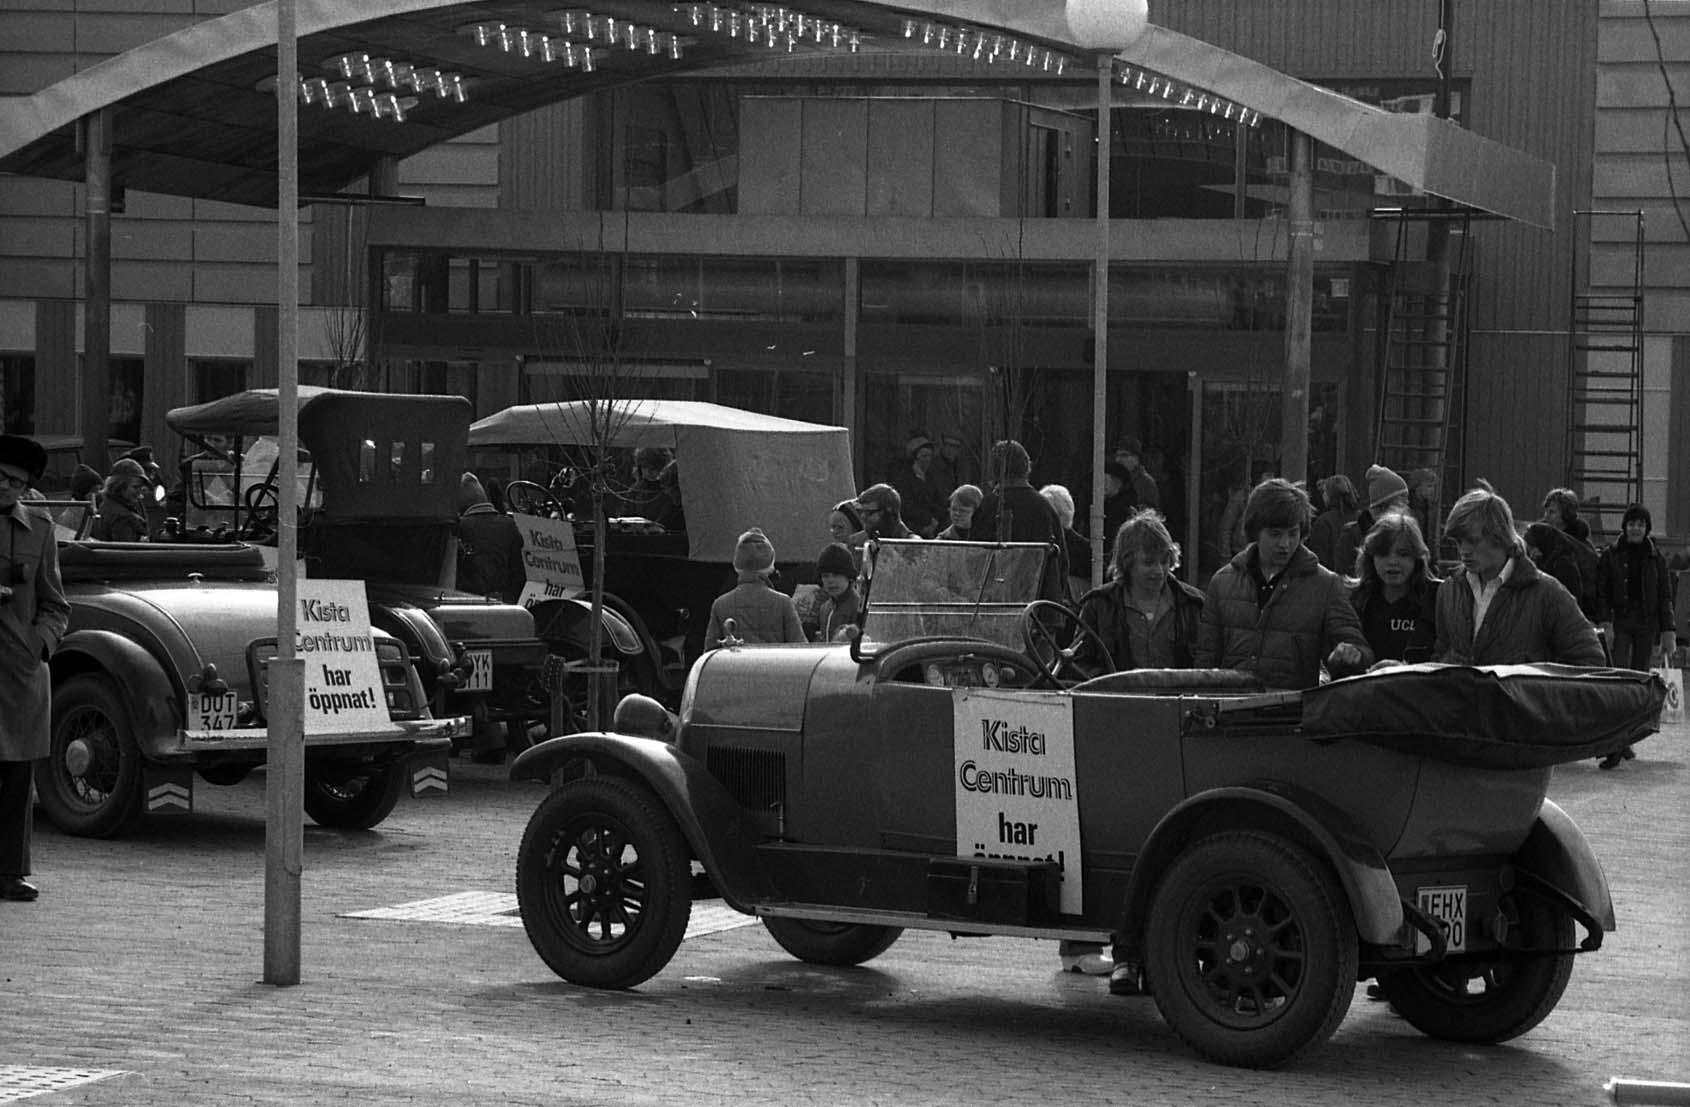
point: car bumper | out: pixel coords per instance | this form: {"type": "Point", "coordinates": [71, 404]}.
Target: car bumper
{"type": "Point", "coordinates": [425, 734]}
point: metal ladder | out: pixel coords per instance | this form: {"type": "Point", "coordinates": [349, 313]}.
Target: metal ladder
{"type": "Point", "coordinates": [1604, 448]}
{"type": "Point", "coordinates": [1422, 383]}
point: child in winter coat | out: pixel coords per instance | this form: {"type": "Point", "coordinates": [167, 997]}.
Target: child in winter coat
{"type": "Point", "coordinates": [840, 603]}
{"type": "Point", "coordinates": [760, 613]}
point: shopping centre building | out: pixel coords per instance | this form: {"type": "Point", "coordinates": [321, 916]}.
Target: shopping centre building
{"type": "Point", "coordinates": [884, 217]}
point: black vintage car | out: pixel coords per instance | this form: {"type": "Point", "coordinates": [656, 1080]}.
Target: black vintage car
{"type": "Point", "coordinates": [381, 505]}
{"type": "Point", "coordinates": [1257, 852]}
{"type": "Point", "coordinates": [160, 679]}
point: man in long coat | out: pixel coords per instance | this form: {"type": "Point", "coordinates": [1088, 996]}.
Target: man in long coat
{"type": "Point", "coordinates": [33, 616]}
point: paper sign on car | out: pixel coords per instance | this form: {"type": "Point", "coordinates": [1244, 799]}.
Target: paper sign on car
{"type": "Point", "coordinates": [552, 566]}
{"type": "Point", "coordinates": [343, 689]}
{"type": "Point", "coordinates": [1015, 791]}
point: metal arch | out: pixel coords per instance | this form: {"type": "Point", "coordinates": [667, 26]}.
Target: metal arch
{"type": "Point", "coordinates": [1431, 154]}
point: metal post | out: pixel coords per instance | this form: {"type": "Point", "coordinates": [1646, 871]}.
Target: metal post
{"type": "Point", "coordinates": [1299, 315]}
{"type": "Point", "coordinates": [284, 832]}
{"type": "Point", "coordinates": [95, 391]}
{"type": "Point", "coordinates": [1100, 316]}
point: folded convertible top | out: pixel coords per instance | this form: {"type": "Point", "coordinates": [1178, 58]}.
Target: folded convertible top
{"type": "Point", "coordinates": [1490, 716]}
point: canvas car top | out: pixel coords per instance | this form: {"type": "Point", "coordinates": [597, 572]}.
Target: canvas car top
{"type": "Point", "coordinates": [737, 469]}
{"type": "Point", "coordinates": [378, 456]}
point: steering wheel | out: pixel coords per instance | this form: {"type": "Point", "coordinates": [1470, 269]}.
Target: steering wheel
{"type": "Point", "coordinates": [263, 504]}
{"type": "Point", "coordinates": [1045, 648]}
{"type": "Point", "coordinates": [527, 498]}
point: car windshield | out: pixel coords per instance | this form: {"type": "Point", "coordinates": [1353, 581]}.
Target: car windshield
{"type": "Point", "coordinates": [920, 589]}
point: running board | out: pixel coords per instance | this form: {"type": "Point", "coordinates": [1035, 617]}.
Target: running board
{"type": "Point", "coordinates": [909, 920]}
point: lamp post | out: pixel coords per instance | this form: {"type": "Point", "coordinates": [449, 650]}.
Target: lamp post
{"type": "Point", "coordinates": [1105, 26]}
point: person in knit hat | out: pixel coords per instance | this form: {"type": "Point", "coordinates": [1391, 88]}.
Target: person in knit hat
{"type": "Point", "coordinates": [760, 614]}
{"type": "Point", "coordinates": [123, 508]}
{"type": "Point", "coordinates": [1386, 492]}
{"type": "Point", "coordinates": [837, 571]}
{"type": "Point", "coordinates": [85, 481]}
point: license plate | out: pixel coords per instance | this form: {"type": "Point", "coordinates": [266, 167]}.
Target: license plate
{"type": "Point", "coordinates": [217, 710]}
{"type": "Point", "coordinates": [1447, 903]}
{"type": "Point", "coordinates": [480, 672]}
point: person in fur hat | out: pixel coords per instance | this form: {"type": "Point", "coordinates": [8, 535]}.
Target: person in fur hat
{"type": "Point", "coordinates": [123, 507]}
{"type": "Point", "coordinates": [33, 617]}
{"type": "Point", "coordinates": [760, 613]}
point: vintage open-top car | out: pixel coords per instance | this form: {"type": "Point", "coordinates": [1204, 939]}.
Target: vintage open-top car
{"type": "Point", "coordinates": [161, 678]}
{"type": "Point", "coordinates": [1257, 852]}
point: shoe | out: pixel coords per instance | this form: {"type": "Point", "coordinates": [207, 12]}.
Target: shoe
{"type": "Point", "coordinates": [1092, 964]}
{"type": "Point", "coordinates": [17, 888]}
{"type": "Point", "coordinates": [1612, 761]}
{"type": "Point", "coordinates": [1629, 754]}
{"type": "Point", "coordinates": [1375, 992]}
{"type": "Point", "coordinates": [1126, 980]}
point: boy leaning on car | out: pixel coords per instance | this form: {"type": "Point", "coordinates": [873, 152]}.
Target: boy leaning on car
{"type": "Point", "coordinates": [33, 616]}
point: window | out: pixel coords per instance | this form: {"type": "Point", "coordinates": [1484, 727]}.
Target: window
{"type": "Point", "coordinates": [17, 393]}
{"type": "Point", "coordinates": [217, 377]}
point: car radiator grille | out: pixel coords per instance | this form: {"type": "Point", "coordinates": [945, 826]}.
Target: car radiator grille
{"type": "Point", "coordinates": [756, 778]}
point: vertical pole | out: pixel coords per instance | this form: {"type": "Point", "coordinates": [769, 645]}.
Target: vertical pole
{"type": "Point", "coordinates": [284, 791]}
{"type": "Point", "coordinates": [1299, 308]}
{"type": "Point", "coordinates": [95, 392]}
{"type": "Point", "coordinates": [1100, 315]}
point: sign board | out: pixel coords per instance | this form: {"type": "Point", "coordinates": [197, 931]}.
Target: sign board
{"type": "Point", "coordinates": [343, 689]}
{"type": "Point", "coordinates": [549, 560]}
{"type": "Point", "coordinates": [1015, 792]}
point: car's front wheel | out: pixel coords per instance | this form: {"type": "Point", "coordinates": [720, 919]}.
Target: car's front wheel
{"type": "Point", "coordinates": [603, 880]}
{"type": "Point", "coordinates": [90, 783]}
{"type": "Point", "coordinates": [353, 802]}
{"type": "Point", "coordinates": [831, 943]}
{"type": "Point", "coordinates": [1483, 1000]}
{"type": "Point", "coordinates": [1251, 949]}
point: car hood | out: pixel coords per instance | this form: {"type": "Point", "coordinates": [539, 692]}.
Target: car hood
{"type": "Point", "coordinates": [459, 615]}
{"type": "Point", "coordinates": [754, 686]}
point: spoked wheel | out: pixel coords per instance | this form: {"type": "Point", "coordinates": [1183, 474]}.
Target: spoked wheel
{"type": "Point", "coordinates": [527, 498]}
{"type": "Point", "coordinates": [263, 504]}
{"type": "Point", "coordinates": [1045, 625]}
{"type": "Point", "coordinates": [1251, 949]}
{"type": "Point", "coordinates": [603, 880]}
{"type": "Point", "coordinates": [831, 943]}
{"type": "Point", "coordinates": [358, 802]}
{"type": "Point", "coordinates": [91, 780]}
{"type": "Point", "coordinates": [1488, 999]}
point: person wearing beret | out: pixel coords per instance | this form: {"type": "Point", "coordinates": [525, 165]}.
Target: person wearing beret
{"type": "Point", "coordinates": [33, 616]}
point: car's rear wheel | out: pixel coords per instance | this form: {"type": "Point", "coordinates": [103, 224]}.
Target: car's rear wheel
{"type": "Point", "coordinates": [92, 778]}
{"type": "Point", "coordinates": [1483, 1000]}
{"type": "Point", "coordinates": [603, 880]}
{"type": "Point", "coordinates": [831, 943]}
{"type": "Point", "coordinates": [1250, 949]}
{"type": "Point", "coordinates": [353, 802]}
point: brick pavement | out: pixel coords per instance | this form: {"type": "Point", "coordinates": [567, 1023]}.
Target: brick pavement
{"type": "Point", "coordinates": [143, 957]}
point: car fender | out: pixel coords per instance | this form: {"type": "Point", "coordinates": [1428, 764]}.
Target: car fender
{"type": "Point", "coordinates": [422, 636]}
{"type": "Point", "coordinates": [1302, 816]}
{"type": "Point", "coordinates": [715, 826]}
{"type": "Point", "coordinates": [1557, 851]}
{"type": "Point", "coordinates": [147, 690]}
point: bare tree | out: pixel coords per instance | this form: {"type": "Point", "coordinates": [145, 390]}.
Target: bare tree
{"type": "Point", "coordinates": [591, 350]}
{"type": "Point", "coordinates": [346, 331]}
